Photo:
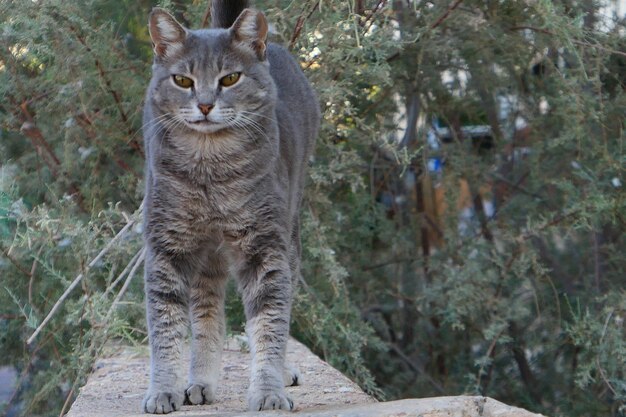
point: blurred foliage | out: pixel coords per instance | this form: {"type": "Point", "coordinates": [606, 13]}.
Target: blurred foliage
{"type": "Point", "coordinates": [524, 303]}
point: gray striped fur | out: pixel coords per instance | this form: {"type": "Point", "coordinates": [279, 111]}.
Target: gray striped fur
{"type": "Point", "coordinates": [222, 198]}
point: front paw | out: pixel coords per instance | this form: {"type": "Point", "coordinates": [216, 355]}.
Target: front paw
{"type": "Point", "coordinates": [162, 402]}
{"type": "Point", "coordinates": [272, 400]}
{"type": "Point", "coordinates": [199, 394]}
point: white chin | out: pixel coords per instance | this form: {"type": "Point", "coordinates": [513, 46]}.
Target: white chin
{"type": "Point", "coordinates": [206, 127]}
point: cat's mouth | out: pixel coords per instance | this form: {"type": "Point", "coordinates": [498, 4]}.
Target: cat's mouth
{"type": "Point", "coordinates": [204, 125]}
{"type": "Point", "coordinates": [200, 122]}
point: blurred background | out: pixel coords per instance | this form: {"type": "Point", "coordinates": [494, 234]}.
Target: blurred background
{"type": "Point", "coordinates": [465, 211]}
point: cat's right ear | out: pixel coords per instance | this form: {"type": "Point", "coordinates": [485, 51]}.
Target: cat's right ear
{"type": "Point", "coordinates": [166, 33]}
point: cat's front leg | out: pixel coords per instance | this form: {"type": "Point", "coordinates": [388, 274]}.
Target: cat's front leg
{"type": "Point", "coordinates": [208, 291]}
{"type": "Point", "coordinates": [266, 288]}
{"type": "Point", "coordinates": [167, 317]}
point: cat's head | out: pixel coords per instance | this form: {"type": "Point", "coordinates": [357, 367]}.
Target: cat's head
{"type": "Point", "coordinates": [213, 79]}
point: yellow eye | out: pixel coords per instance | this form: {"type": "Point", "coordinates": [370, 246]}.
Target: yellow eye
{"type": "Point", "coordinates": [230, 79]}
{"type": "Point", "coordinates": [182, 81]}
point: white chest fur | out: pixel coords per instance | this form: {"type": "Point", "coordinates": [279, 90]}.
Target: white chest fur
{"type": "Point", "coordinates": [202, 147]}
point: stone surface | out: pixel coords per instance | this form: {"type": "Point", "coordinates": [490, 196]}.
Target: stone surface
{"type": "Point", "coordinates": [426, 407]}
{"type": "Point", "coordinates": [119, 382]}
{"type": "Point", "coordinates": [117, 386]}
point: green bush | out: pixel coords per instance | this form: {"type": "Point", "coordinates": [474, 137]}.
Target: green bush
{"type": "Point", "coordinates": [525, 304]}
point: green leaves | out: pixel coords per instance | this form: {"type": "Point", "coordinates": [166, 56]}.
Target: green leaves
{"type": "Point", "coordinates": [402, 290]}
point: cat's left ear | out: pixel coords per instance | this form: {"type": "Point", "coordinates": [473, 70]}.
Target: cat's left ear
{"type": "Point", "coordinates": [166, 33]}
{"type": "Point", "coordinates": [250, 30]}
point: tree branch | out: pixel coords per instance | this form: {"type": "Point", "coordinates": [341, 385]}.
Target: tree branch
{"type": "Point", "coordinates": [522, 363]}
{"type": "Point", "coordinates": [14, 261]}
{"type": "Point", "coordinates": [574, 41]}
{"type": "Point", "coordinates": [109, 86]}
{"type": "Point", "coordinates": [300, 24]}
{"type": "Point", "coordinates": [30, 129]}
{"type": "Point", "coordinates": [206, 15]}
{"type": "Point", "coordinates": [416, 368]}
{"type": "Point", "coordinates": [444, 16]}
{"type": "Point", "coordinates": [80, 276]}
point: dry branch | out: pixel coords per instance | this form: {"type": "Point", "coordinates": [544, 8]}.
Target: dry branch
{"type": "Point", "coordinates": [123, 273]}
{"type": "Point", "coordinates": [444, 16]}
{"type": "Point", "coordinates": [79, 278]}
{"type": "Point", "coordinates": [206, 15]}
{"type": "Point", "coordinates": [109, 87]}
{"type": "Point", "coordinates": [300, 24]}
{"type": "Point", "coordinates": [14, 261]}
{"type": "Point", "coordinates": [138, 262]}
{"type": "Point", "coordinates": [574, 41]}
{"type": "Point", "coordinates": [45, 151]}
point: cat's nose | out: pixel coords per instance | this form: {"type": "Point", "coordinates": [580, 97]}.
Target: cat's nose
{"type": "Point", "coordinates": [205, 108]}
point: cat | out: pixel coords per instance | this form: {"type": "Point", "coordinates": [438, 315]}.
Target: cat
{"type": "Point", "coordinates": [230, 123]}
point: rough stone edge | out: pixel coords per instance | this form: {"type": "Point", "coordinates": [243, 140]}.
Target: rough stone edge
{"type": "Point", "coordinates": [323, 388]}
{"type": "Point", "coordinates": [459, 406]}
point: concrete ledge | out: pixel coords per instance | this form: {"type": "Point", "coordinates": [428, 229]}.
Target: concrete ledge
{"type": "Point", "coordinates": [118, 384]}
{"type": "Point", "coordinates": [461, 406]}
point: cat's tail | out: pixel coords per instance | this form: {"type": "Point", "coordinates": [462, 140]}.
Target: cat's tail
{"type": "Point", "coordinates": [225, 12]}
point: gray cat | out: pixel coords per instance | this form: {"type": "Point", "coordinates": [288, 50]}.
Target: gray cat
{"type": "Point", "coordinates": [229, 125]}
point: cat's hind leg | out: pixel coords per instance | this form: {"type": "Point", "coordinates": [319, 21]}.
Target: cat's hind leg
{"type": "Point", "coordinates": [208, 327]}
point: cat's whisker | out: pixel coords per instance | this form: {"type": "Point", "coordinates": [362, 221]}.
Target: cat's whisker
{"type": "Point", "coordinates": [169, 125]}
{"type": "Point", "coordinates": [240, 125]}
{"type": "Point", "coordinates": [173, 124]}
{"type": "Point", "coordinates": [250, 114]}
{"type": "Point", "coordinates": [255, 126]}
{"type": "Point", "coordinates": [163, 126]}
{"type": "Point", "coordinates": [153, 121]}
{"type": "Point", "coordinates": [246, 124]}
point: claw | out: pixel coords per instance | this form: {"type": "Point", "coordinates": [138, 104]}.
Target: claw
{"type": "Point", "coordinates": [162, 402]}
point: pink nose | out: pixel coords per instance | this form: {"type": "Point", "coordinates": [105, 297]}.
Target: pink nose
{"type": "Point", "coordinates": [205, 108]}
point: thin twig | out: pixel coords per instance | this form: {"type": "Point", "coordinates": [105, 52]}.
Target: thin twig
{"type": "Point", "coordinates": [142, 254]}
{"type": "Point", "coordinates": [390, 262]}
{"type": "Point", "coordinates": [574, 41]}
{"type": "Point", "coordinates": [85, 122]}
{"type": "Point", "coordinates": [206, 15]}
{"type": "Point", "coordinates": [558, 219]}
{"type": "Point", "coordinates": [79, 278]}
{"type": "Point", "coordinates": [14, 261]}
{"type": "Point", "coordinates": [11, 317]}
{"type": "Point", "coordinates": [46, 152]}
{"type": "Point", "coordinates": [67, 399]}
{"type": "Point", "coordinates": [31, 281]}
{"type": "Point", "coordinates": [117, 98]}
{"type": "Point", "coordinates": [444, 16]}
{"type": "Point", "coordinates": [416, 368]}
{"type": "Point", "coordinates": [22, 377]}
{"type": "Point", "coordinates": [31, 130]}
{"type": "Point", "coordinates": [122, 274]}
{"type": "Point", "coordinates": [483, 383]}
{"type": "Point", "coordinates": [369, 20]}
{"type": "Point", "coordinates": [300, 25]}
{"type": "Point", "coordinates": [516, 185]}
{"type": "Point", "coordinates": [605, 379]}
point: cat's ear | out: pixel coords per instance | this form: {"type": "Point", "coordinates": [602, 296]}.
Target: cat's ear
{"type": "Point", "coordinates": [166, 33]}
{"type": "Point", "coordinates": [250, 30]}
